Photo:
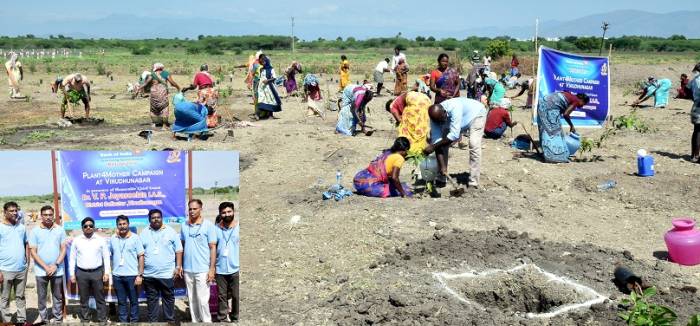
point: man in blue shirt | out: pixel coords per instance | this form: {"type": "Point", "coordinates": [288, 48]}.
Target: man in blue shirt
{"type": "Point", "coordinates": [162, 264]}
{"type": "Point", "coordinates": [199, 241]}
{"type": "Point", "coordinates": [127, 271]}
{"type": "Point", "coordinates": [227, 262]}
{"type": "Point", "coordinates": [47, 243]}
{"type": "Point", "coordinates": [14, 258]}
{"type": "Point", "coordinates": [449, 120]}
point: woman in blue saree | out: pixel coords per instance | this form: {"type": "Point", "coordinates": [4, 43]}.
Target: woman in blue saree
{"type": "Point", "coordinates": [190, 117]}
{"type": "Point", "coordinates": [659, 89]}
{"type": "Point", "coordinates": [550, 110]}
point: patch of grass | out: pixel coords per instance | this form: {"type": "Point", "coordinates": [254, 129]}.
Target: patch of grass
{"type": "Point", "coordinates": [38, 136]}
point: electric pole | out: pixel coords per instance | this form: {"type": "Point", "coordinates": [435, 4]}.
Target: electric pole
{"type": "Point", "coordinates": [602, 41]}
{"type": "Point", "coordinates": [292, 34]}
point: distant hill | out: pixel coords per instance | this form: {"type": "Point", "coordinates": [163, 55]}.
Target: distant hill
{"type": "Point", "coordinates": [622, 22]}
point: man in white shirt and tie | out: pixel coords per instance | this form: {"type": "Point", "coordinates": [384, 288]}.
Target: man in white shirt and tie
{"type": "Point", "coordinates": [89, 266]}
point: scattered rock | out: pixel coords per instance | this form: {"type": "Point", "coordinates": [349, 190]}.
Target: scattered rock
{"type": "Point", "coordinates": [342, 278]}
{"type": "Point", "coordinates": [627, 254]}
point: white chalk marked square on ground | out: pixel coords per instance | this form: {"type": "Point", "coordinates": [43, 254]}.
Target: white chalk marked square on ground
{"type": "Point", "coordinates": [591, 296]}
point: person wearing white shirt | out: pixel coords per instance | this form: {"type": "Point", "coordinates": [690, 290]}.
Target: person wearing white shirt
{"type": "Point", "coordinates": [382, 67]}
{"type": "Point", "coordinates": [89, 266]}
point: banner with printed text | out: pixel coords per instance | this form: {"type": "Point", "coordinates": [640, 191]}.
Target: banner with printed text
{"type": "Point", "coordinates": [561, 71]}
{"type": "Point", "coordinates": [105, 184]}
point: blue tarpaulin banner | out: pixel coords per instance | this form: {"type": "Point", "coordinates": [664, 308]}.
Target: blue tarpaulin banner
{"type": "Point", "coordinates": [105, 184]}
{"type": "Point", "coordinates": [561, 71]}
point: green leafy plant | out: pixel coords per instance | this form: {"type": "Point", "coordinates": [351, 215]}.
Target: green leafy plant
{"type": "Point", "coordinates": [633, 122]}
{"type": "Point", "coordinates": [643, 313]}
{"type": "Point", "coordinates": [101, 70]}
{"type": "Point", "coordinates": [694, 320]}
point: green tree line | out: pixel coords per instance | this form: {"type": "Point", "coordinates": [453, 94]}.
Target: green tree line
{"type": "Point", "coordinates": [216, 45]}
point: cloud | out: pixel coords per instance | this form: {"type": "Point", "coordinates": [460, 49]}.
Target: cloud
{"type": "Point", "coordinates": [326, 9]}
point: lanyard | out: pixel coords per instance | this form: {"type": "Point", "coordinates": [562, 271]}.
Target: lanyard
{"type": "Point", "coordinates": [189, 230]}
{"type": "Point", "coordinates": [229, 236]}
{"type": "Point", "coordinates": [121, 252]}
{"type": "Point", "coordinates": [153, 236]}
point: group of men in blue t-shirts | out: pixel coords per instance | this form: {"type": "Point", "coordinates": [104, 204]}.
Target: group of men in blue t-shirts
{"type": "Point", "coordinates": [203, 253]}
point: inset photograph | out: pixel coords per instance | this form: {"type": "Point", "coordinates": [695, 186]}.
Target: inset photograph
{"type": "Point", "coordinates": [120, 236]}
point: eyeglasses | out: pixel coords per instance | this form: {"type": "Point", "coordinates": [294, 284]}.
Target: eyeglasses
{"type": "Point", "coordinates": [88, 226]}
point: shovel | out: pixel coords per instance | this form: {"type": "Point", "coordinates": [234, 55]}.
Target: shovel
{"type": "Point", "coordinates": [456, 191]}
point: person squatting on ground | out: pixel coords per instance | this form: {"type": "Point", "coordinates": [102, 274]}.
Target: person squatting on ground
{"type": "Point", "coordinates": [498, 120]}
{"type": "Point", "coordinates": [449, 120]}
{"type": "Point", "coordinates": [382, 177]}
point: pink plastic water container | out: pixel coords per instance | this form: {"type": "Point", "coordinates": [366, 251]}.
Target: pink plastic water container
{"type": "Point", "coordinates": [683, 242]}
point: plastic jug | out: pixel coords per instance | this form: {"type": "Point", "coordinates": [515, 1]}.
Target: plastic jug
{"type": "Point", "coordinates": [429, 168]}
{"type": "Point", "coordinates": [683, 242]}
{"type": "Point", "coordinates": [645, 164]}
{"type": "Point", "coordinates": [573, 142]}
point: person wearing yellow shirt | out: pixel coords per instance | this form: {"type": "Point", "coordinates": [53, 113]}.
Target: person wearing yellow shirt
{"type": "Point", "coordinates": [381, 177]}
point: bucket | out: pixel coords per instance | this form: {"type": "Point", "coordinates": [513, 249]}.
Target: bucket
{"type": "Point", "coordinates": [645, 166]}
{"type": "Point", "coordinates": [522, 143]}
{"type": "Point", "coordinates": [429, 168]}
{"type": "Point", "coordinates": [573, 142]}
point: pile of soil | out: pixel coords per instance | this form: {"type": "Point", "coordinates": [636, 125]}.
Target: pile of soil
{"type": "Point", "coordinates": [406, 290]}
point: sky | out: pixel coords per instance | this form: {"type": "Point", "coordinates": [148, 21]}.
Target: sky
{"type": "Point", "coordinates": [26, 173]}
{"type": "Point", "coordinates": [391, 15]}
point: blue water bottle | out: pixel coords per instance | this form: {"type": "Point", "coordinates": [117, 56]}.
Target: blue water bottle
{"type": "Point", "coordinates": [338, 176]}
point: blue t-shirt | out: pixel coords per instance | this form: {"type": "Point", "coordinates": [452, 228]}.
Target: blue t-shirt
{"type": "Point", "coordinates": [227, 250]}
{"type": "Point", "coordinates": [12, 255]}
{"type": "Point", "coordinates": [125, 252]}
{"type": "Point", "coordinates": [48, 246]}
{"type": "Point", "coordinates": [197, 238]}
{"type": "Point", "coordinates": [160, 247]}
{"type": "Point", "coordinates": [461, 111]}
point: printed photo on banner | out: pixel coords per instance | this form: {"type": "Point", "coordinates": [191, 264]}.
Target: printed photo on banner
{"type": "Point", "coordinates": [126, 222]}
{"type": "Point", "coordinates": [561, 71]}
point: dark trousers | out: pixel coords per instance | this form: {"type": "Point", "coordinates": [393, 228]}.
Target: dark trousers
{"type": "Point", "coordinates": [496, 133]}
{"type": "Point", "coordinates": [56, 284]}
{"type": "Point", "coordinates": [126, 291]}
{"type": "Point", "coordinates": [90, 284]}
{"type": "Point", "coordinates": [163, 289]}
{"type": "Point", "coordinates": [695, 141]}
{"type": "Point", "coordinates": [227, 286]}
